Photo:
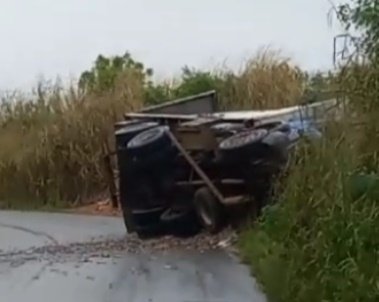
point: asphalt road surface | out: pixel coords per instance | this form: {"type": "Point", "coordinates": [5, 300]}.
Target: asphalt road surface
{"type": "Point", "coordinates": [49, 257]}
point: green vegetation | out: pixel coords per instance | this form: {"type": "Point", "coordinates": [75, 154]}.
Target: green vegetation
{"type": "Point", "coordinates": [320, 241]}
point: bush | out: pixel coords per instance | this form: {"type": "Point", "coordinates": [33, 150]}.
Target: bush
{"type": "Point", "coordinates": [320, 242]}
{"type": "Point", "coordinates": [317, 242]}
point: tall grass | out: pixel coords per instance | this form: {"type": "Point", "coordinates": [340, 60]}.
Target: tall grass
{"type": "Point", "coordinates": [267, 80]}
{"type": "Point", "coordinates": [51, 144]}
{"type": "Point", "coordinates": [320, 242]}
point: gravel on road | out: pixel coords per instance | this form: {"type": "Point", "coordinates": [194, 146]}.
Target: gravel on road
{"type": "Point", "coordinates": [108, 247]}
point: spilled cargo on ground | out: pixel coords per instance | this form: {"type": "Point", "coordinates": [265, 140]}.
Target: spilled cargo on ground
{"type": "Point", "coordinates": [185, 166]}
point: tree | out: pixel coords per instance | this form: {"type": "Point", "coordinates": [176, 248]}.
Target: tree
{"type": "Point", "coordinates": [319, 86]}
{"type": "Point", "coordinates": [103, 75]}
{"type": "Point", "coordinates": [363, 16]}
{"type": "Point", "coordinates": [360, 80]}
{"type": "Point", "coordinates": [194, 81]}
{"type": "Point", "coordinates": [158, 93]}
{"type": "Point", "coordinates": [191, 82]}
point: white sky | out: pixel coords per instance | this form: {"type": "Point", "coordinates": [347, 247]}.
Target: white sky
{"type": "Point", "coordinates": [63, 37]}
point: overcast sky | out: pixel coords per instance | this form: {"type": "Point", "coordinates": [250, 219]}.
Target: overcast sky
{"type": "Point", "coordinates": [63, 37]}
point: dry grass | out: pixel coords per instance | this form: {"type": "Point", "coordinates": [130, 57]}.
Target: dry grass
{"type": "Point", "coordinates": [52, 144]}
{"type": "Point", "coordinates": [268, 80]}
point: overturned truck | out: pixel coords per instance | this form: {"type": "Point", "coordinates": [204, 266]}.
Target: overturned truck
{"type": "Point", "coordinates": [183, 165]}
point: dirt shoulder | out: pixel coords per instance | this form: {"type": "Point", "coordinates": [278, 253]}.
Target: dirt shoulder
{"type": "Point", "coordinates": [100, 208]}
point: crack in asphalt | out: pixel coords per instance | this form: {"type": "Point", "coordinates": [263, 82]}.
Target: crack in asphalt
{"type": "Point", "coordinates": [30, 231]}
{"type": "Point", "coordinates": [39, 273]}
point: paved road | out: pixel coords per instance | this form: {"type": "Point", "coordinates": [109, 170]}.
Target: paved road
{"type": "Point", "coordinates": [31, 269]}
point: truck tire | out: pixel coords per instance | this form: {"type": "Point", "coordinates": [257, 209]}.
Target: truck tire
{"type": "Point", "coordinates": [181, 221]}
{"type": "Point", "coordinates": [149, 142]}
{"type": "Point", "coordinates": [173, 215]}
{"type": "Point", "coordinates": [209, 211]}
{"type": "Point", "coordinates": [277, 139]}
{"type": "Point", "coordinates": [158, 159]}
{"type": "Point", "coordinates": [274, 125]}
{"type": "Point", "coordinates": [147, 222]}
{"type": "Point", "coordinates": [148, 231]}
{"type": "Point", "coordinates": [128, 221]}
{"type": "Point", "coordinates": [279, 144]}
{"type": "Point", "coordinates": [226, 129]}
{"type": "Point", "coordinates": [243, 145]}
{"type": "Point", "coordinates": [125, 134]}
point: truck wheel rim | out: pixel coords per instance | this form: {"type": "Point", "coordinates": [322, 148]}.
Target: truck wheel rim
{"type": "Point", "coordinates": [243, 138]}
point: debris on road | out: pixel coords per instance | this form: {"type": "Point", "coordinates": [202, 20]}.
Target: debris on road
{"type": "Point", "coordinates": [111, 248]}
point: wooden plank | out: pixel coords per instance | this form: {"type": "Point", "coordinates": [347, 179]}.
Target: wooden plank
{"type": "Point", "coordinates": [204, 95]}
{"type": "Point", "coordinates": [162, 116]}
{"type": "Point", "coordinates": [110, 176]}
{"type": "Point", "coordinates": [197, 169]}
